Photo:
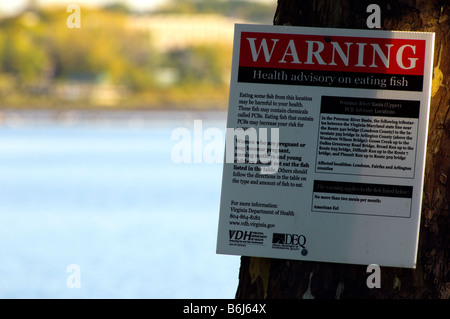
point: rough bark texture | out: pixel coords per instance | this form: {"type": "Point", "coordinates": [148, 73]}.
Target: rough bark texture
{"type": "Point", "coordinates": [276, 278]}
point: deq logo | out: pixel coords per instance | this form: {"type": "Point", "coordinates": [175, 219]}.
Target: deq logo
{"type": "Point", "coordinates": [289, 241]}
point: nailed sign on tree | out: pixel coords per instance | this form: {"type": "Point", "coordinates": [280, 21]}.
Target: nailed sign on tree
{"type": "Point", "coordinates": [326, 140]}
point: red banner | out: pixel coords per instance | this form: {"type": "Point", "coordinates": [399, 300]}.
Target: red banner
{"type": "Point", "coordinates": [334, 53]}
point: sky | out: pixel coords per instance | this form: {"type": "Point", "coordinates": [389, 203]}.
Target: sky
{"type": "Point", "coordinates": [8, 7]}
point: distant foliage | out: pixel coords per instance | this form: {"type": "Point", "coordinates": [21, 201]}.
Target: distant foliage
{"type": "Point", "coordinates": [38, 52]}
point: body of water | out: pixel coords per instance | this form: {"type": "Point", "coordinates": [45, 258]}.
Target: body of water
{"type": "Point", "coordinates": [103, 193]}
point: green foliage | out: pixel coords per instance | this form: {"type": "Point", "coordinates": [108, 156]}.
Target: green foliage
{"type": "Point", "coordinates": [199, 65]}
{"type": "Point", "coordinates": [46, 47]}
{"type": "Point", "coordinates": [21, 54]}
{"type": "Point", "coordinates": [38, 50]}
{"type": "Point", "coordinates": [103, 46]}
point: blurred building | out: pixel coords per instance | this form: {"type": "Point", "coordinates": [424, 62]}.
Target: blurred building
{"type": "Point", "coordinates": [175, 31]}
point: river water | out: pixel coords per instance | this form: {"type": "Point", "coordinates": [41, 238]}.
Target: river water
{"type": "Point", "coordinates": [101, 191]}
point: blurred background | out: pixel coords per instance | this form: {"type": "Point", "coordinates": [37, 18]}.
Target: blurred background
{"type": "Point", "coordinates": [176, 53]}
{"type": "Point", "coordinates": [87, 117]}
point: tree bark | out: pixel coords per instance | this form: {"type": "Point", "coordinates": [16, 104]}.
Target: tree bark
{"type": "Point", "coordinates": [277, 278]}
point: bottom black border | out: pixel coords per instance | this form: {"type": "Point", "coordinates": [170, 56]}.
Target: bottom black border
{"type": "Point", "coordinates": [273, 308]}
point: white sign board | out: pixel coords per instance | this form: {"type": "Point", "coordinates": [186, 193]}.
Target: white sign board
{"type": "Point", "coordinates": [325, 144]}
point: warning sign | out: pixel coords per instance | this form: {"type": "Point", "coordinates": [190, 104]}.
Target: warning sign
{"type": "Point", "coordinates": [325, 144]}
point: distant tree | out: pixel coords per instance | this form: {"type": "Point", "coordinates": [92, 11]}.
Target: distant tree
{"type": "Point", "coordinates": [22, 55]}
{"type": "Point", "coordinates": [117, 6]}
{"type": "Point", "coordinates": [102, 46]}
{"type": "Point", "coordinates": [203, 64]}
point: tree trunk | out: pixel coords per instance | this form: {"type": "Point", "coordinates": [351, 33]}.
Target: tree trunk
{"type": "Point", "coordinates": [277, 278]}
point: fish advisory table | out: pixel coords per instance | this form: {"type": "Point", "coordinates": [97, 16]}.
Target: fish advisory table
{"type": "Point", "coordinates": [325, 144]}
{"type": "Point", "coordinates": [363, 199]}
{"type": "Point", "coordinates": [367, 136]}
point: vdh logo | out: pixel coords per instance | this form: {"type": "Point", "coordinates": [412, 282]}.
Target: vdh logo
{"type": "Point", "coordinates": [240, 235]}
{"type": "Point", "coordinates": [244, 238]}
{"type": "Point", "coordinates": [289, 241]}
